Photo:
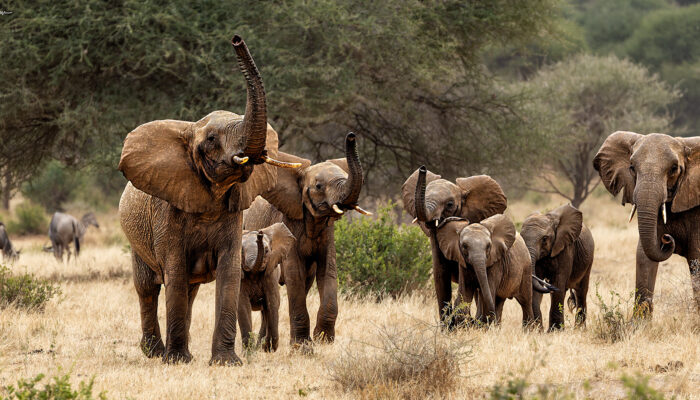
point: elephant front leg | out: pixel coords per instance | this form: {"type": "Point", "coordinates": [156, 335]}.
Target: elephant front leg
{"type": "Point", "coordinates": [556, 309]}
{"type": "Point", "coordinates": [295, 279]}
{"type": "Point", "coordinates": [270, 314]}
{"type": "Point", "coordinates": [327, 282]}
{"type": "Point", "coordinates": [536, 308]}
{"type": "Point", "coordinates": [245, 320]}
{"type": "Point", "coordinates": [228, 285]}
{"type": "Point", "coordinates": [645, 282]}
{"type": "Point", "coordinates": [694, 266]}
{"type": "Point", "coordinates": [191, 294]}
{"type": "Point", "coordinates": [177, 307]}
{"type": "Point", "coordinates": [443, 284]}
{"type": "Point", "coordinates": [151, 343]}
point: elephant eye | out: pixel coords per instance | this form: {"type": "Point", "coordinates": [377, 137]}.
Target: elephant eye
{"type": "Point", "coordinates": [450, 204]}
{"type": "Point", "coordinates": [674, 169]}
{"type": "Point", "coordinates": [318, 186]}
{"type": "Point", "coordinates": [545, 239]}
{"type": "Point", "coordinates": [632, 170]}
{"type": "Point", "coordinates": [211, 137]}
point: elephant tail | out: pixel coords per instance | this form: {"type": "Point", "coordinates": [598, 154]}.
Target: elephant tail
{"type": "Point", "coordinates": [572, 302]}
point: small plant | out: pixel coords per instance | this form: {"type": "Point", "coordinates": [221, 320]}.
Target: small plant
{"type": "Point", "coordinates": [25, 291]}
{"type": "Point", "coordinates": [638, 388]}
{"type": "Point", "coordinates": [57, 388]}
{"type": "Point", "coordinates": [613, 323]}
{"type": "Point", "coordinates": [29, 219]}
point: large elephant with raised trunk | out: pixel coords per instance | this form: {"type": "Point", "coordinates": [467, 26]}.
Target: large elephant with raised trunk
{"type": "Point", "coordinates": [309, 200]}
{"type": "Point", "coordinates": [660, 176]}
{"type": "Point", "coordinates": [189, 183]}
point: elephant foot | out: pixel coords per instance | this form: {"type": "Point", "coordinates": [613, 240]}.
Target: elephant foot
{"type": "Point", "coordinates": [176, 356]}
{"type": "Point", "coordinates": [226, 359]}
{"type": "Point", "coordinates": [152, 346]}
{"type": "Point", "coordinates": [269, 346]}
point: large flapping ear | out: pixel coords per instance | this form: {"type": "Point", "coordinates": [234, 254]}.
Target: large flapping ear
{"type": "Point", "coordinates": [568, 222]}
{"type": "Point", "coordinates": [502, 236]}
{"type": "Point", "coordinates": [408, 190]}
{"type": "Point", "coordinates": [156, 159]}
{"type": "Point", "coordinates": [286, 195]}
{"type": "Point", "coordinates": [281, 242]}
{"type": "Point", "coordinates": [688, 192]}
{"type": "Point", "coordinates": [482, 197]}
{"type": "Point", "coordinates": [448, 240]}
{"type": "Point", "coordinates": [613, 164]}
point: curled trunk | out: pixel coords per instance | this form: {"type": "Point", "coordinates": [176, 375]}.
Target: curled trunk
{"type": "Point", "coordinates": [352, 187]}
{"type": "Point", "coordinates": [421, 212]}
{"type": "Point", "coordinates": [261, 252]}
{"type": "Point", "coordinates": [489, 307]}
{"type": "Point", "coordinates": [649, 201]}
{"type": "Point", "coordinates": [255, 119]}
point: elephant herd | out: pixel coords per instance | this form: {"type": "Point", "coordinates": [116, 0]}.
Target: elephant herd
{"type": "Point", "coordinates": [216, 200]}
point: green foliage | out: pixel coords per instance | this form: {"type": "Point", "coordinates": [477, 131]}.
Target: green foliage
{"type": "Point", "coordinates": [56, 388]}
{"type": "Point", "coordinates": [378, 257]}
{"type": "Point", "coordinates": [638, 388]}
{"type": "Point", "coordinates": [30, 219]}
{"type": "Point", "coordinates": [614, 323]}
{"type": "Point", "coordinates": [53, 187]}
{"type": "Point", "coordinates": [25, 291]}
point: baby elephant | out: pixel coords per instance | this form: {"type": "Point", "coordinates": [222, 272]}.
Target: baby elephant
{"type": "Point", "coordinates": [492, 258]}
{"type": "Point", "coordinates": [262, 252]}
{"type": "Point", "coordinates": [561, 249]}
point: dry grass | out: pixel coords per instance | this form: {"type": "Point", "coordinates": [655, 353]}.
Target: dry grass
{"type": "Point", "coordinates": [94, 329]}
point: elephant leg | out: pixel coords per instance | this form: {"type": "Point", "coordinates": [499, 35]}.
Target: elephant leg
{"type": "Point", "coordinates": [151, 343]}
{"type": "Point", "coordinates": [245, 320]}
{"type": "Point", "coordinates": [499, 309]}
{"type": "Point", "coordinates": [295, 279]}
{"type": "Point", "coordinates": [327, 282]}
{"type": "Point", "coordinates": [694, 267]}
{"type": "Point", "coordinates": [645, 282]}
{"type": "Point", "coordinates": [270, 313]}
{"type": "Point", "coordinates": [228, 288]}
{"type": "Point", "coordinates": [556, 309]}
{"type": "Point", "coordinates": [177, 307]}
{"type": "Point", "coordinates": [536, 308]}
{"type": "Point", "coordinates": [463, 303]}
{"type": "Point", "coordinates": [581, 303]}
{"type": "Point", "coordinates": [192, 293]}
{"type": "Point", "coordinates": [443, 292]}
{"type": "Point", "coordinates": [262, 333]}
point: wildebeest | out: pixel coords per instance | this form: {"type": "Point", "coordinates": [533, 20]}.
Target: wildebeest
{"type": "Point", "coordinates": [8, 251]}
{"type": "Point", "coordinates": [65, 229]}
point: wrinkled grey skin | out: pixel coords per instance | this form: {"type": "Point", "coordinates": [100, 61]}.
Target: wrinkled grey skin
{"type": "Point", "coordinates": [65, 229]}
{"type": "Point", "coordinates": [262, 253]}
{"type": "Point", "coordinates": [561, 250]}
{"type": "Point", "coordinates": [8, 251]}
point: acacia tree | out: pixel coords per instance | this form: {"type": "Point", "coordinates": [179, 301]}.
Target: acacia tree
{"type": "Point", "coordinates": [579, 102]}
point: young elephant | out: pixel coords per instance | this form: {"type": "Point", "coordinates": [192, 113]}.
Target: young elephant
{"type": "Point", "coordinates": [493, 258]}
{"type": "Point", "coordinates": [561, 249]}
{"type": "Point", "coordinates": [262, 252]}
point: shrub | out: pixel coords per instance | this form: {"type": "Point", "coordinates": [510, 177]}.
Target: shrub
{"type": "Point", "coordinates": [29, 219]}
{"type": "Point", "coordinates": [57, 388]}
{"type": "Point", "coordinates": [613, 323]}
{"type": "Point", "coordinates": [25, 291]}
{"type": "Point", "coordinates": [52, 188]}
{"type": "Point", "coordinates": [378, 257]}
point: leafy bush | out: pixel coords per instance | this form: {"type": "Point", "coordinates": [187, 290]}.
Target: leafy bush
{"type": "Point", "coordinates": [52, 188]}
{"type": "Point", "coordinates": [57, 388]}
{"type": "Point", "coordinates": [25, 291]}
{"type": "Point", "coordinates": [380, 258]}
{"type": "Point", "coordinates": [613, 323]}
{"type": "Point", "coordinates": [29, 219]}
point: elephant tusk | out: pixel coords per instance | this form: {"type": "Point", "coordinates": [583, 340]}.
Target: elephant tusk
{"type": "Point", "coordinates": [414, 220]}
{"type": "Point", "coordinates": [240, 160]}
{"type": "Point", "coordinates": [337, 209]}
{"type": "Point", "coordinates": [281, 164]}
{"type": "Point", "coordinates": [361, 211]}
{"type": "Point", "coordinates": [663, 212]}
{"type": "Point", "coordinates": [634, 210]}
{"type": "Point", "coordinates": [437, 223]}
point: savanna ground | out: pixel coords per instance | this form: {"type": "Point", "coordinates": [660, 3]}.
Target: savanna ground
{"type": "Point", "coordinates": [92, 330]}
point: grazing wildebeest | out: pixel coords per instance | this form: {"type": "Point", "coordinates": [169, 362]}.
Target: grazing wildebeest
{"type": "Point", "coordinates": [8, 251]}
{"type": "Point", "coordinates": [65, 229]}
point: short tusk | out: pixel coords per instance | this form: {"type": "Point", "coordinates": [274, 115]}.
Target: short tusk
{"type": "Point", "coordinates": [663, 212]}
{"type": "Point", "coordinates": [240, 160]}
{"type": "Point", "coordinates": [414, 220]}
{"type": "Point", "coordinates": [337, 209]}
{"type": "Point", "coordinates": [361, 211]}
{"type": "Point", "coordinates": [437, 223]}
{"type": "Point", "coordinates": [281, 164]}
{"type": "Point", "coordinates": [634, 210]}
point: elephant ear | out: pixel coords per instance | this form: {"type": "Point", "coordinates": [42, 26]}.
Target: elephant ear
{"type": "Point", "coordinates": [482, 197]}
{"type": "Point", "coordinates": [613, 164]}
{"type": "Point", "coordinates": [502, 236]}
{"type": "Point", "coordinates": [286, 194]}
{"type": "Point", "coordinates": [281, 242]}
{"type": "Point", "coordinates": [448, 240]}
{"type": "Point", "coordinates": [688, 192]}
{"type": "Point", "coordinates": [568, 222]}
{"type": "Point", "coordinates": [408, 190]}
{"type": "Point", "coordinates": [263, 177]}
{"type": "Point", "coordinates": [156, 158]}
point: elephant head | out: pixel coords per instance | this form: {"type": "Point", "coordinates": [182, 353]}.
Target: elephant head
{"type": "Point", "coordinates": [481, 246]}
{"type": "Point", "coordinates": [265, 248]}
{"type": "Point", "coordinates": [431, 199]}
{"type": "Point", "coordinates": [651, 171]}
{"type": "Point", "coordinates": [547, 235]}
{"type": "Point", "coordinates": [326, 189]}
{"type": "Point", "coordinates": [199, 166]}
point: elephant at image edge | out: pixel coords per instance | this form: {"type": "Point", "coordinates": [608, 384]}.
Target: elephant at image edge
{"type": "Point", "coordinates": [492, 258]}
{"type": "Point", "coordinates": [660, 176]}
{"type": "Point", "coordinates": [474, 199]}
{"type": "Point", "coordinates": [263, 251]}
{"type": "Point", "coordinates": [309, 200]}
{"type": "Point", "coordinates": [182, 213]}
{"type": "Point", "coordinates": [561, 249]}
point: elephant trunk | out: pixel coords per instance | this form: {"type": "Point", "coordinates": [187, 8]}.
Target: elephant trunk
{"type": "Point", "coordinates": [261, 252]}
{"type": "Point", "coordinates": [648, 204]}
{"type": "Point", "coordinates": [352, 187]}
{"type": "Point", "coordinates": [489, 308]}
{"type": "Point", "coordinates": [255, 119]}
{"type": "Point", "coordinates": [421, 212]}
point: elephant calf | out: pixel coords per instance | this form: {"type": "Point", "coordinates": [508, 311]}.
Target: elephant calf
{"type": "Point", "coordinates": [8, 251]}
{"type": "Point", "coordinates": [493, 258]}
{"type": "Point", "coordinates": [65, 229]}
{"type": "Point", "coordinates": [262, 253]}
{"type": "Point", "coordinates": [561, 249]}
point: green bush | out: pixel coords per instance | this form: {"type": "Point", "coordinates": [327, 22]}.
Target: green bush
{"type": "Point", "coordinates": [378, 257]}
{"type": "Point", "coordinates": [52, 188]}
{"type": "Point", "coordinates": [29, 219]}
{"type": "Point", "coordinates": [25, 291]}
{"type": "Point", "coordinates": [615, 321]}
{"type": "Point", "coordinates": [57, 388]}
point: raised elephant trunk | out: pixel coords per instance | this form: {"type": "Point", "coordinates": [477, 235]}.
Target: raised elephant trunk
{"type": "Point", "coordinates": [255, 119]}
{"type": "Point", "coordinates": [352, 187]}
{"type": "Point", "coordinates": [421, 212]}
{"type": "Point", "coordinates": [261, 252]}
{"type": "Point", "coordinates": [489, 307]}
{"type": "Point", "coordinates": [649, 202]}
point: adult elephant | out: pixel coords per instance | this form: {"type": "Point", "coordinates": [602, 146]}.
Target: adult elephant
{"type": "Point", "coordinates": [655, 173]}
{"type": "Point", "coordinates": [189, 183]}
{"type": "Point", "coordinates": [472, 199]}
{"type": "Point", "coordinates": [309, 200]}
